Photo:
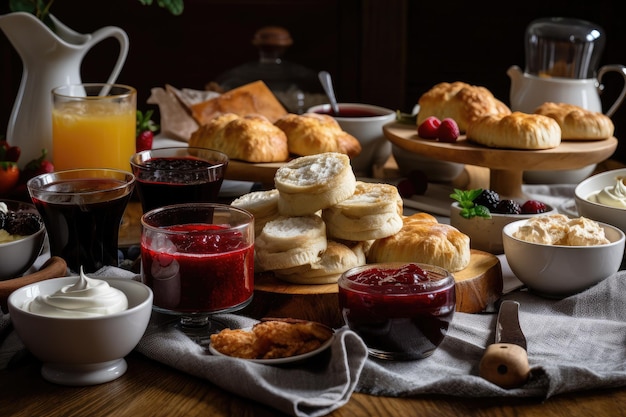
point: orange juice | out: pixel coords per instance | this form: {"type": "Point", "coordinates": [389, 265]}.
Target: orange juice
{"type": "Point", "coordinates": [93, 126]}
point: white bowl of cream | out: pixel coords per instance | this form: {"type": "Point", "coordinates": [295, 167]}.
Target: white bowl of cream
{"type": "Point", "coordinates": [602, 197]}
{"type": "Point", "coordinates": [81, 328]}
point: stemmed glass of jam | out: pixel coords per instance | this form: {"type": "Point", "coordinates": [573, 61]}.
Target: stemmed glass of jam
{"type": "Point", "coordinates": [401, 310]}
{"type": "Point", "coordinates": [198, 259]}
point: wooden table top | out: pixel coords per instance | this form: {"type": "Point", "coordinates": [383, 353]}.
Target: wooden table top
{"type": "Point", "coordinates": [151, 389]}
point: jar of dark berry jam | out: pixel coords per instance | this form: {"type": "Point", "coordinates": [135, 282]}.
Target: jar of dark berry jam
{"type": "Point", "coordinates": [400, 310]}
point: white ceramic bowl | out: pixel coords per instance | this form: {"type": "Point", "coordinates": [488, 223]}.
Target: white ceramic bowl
{"type": "Point", "coordinates": [486, 234]}
{"type": "Point", "coordinates": [365, 122]}
{"type": "Point", "coordinates": [82, 351]}
{"type": "Point", "coordinates": [562, 176]}
{"type": "Point", "coordinates": [19, 255]}
{"type": "Point", "coordinates": [560, 271]}
{"type": "Point", "coordinates": [596, 211]}
{"type": "Point", "coordinates": [435, 169]}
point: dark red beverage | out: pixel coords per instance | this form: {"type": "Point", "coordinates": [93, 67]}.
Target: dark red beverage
{"type": "Point", "coordinates": [401, 311]}
{"type": "Point", "coordinates": [196, 271]}
{"type": "Point", "coordinates": [169, 176]}
{"type": "Point", "coordinates": [350, 112]}
{"type": "Point", "coordinates": [82, 218]}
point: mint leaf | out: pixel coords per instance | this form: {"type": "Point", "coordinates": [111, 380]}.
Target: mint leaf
{"type": "Point", "coordinates": [466, 202]}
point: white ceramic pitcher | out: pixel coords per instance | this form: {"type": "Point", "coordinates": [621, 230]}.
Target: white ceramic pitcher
{"type": "Point", "coordinates": [49, 60]}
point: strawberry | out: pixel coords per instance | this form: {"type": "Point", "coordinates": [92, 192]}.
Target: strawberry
{"type": "Point", "coordinates": [8, 152]}
{"type": "Point", "coordinates": [145, 131]}
{"type": "Point", "coordinates": [9, 175]}
{"type": "Point", "coordinates": [448, 130]}
{"type": "Point", "coordinates": [429, 127]}
{"type": "Point", "coordinates": [36, 167]}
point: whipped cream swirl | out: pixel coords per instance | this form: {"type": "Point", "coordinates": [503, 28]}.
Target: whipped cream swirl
{"type": "Point", "coordinates": [87, 297]}
{"type": "Point", "coordinates": [614, 195]}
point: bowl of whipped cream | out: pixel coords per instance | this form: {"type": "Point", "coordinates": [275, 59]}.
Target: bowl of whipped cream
{"type": "Point", "coordinates": [602, 197]}
{"type": "Point", "coordinates": [81, 328]}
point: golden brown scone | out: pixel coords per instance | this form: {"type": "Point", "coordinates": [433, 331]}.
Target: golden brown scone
{"type": "Point", "coordinates": [578, 123]}
{"type": "Point", "coordinates": [460, 101]}
{"type": "Point", "coordinates": [253, 98]}
{"type": "Point", "coordinates": [312, 133]}
{"type": "Point", "coordinates": [516, 131]}
{"type": "Point", "coordinates": [251, 138]}
{"type": "Point", "coordinates": [426, 241]}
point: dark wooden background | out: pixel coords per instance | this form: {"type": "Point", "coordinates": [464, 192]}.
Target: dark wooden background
{"type": "Point", "coordinates": [379, 52]}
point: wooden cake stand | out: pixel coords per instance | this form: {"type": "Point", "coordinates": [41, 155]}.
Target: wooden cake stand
{"type": "Point", "coordinates": [506, 165]}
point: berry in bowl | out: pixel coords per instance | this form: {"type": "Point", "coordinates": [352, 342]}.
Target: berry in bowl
{"type": "Point", "coordinates": [401, 310]}
{"type": "Point", "coordinates": [556, 256]}
{"type": "Point", "coordinates": [22, 236]}
{"type": "Point", "coordinates": [481, 214]}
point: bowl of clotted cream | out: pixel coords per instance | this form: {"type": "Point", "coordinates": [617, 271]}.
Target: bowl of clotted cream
{"type": "Point", "coordinates": [602, 197]}
{"type": "Point", "coordinates": [81, 328]}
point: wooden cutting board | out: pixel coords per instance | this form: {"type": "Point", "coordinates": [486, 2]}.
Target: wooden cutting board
{"type": "Point", "coordinates": [477, 286]}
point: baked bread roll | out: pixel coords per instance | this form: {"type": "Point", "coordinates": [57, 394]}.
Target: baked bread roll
{"type": "Point", "coordinates": [374, 211]}
{"type": "Point", "coordinates": [311, 183]}
{"type": "Point", "coordinates": [251, 138]}
{"type": "Point", "coordinates": [290, 241]}
{"type": "Point", "coordinates": [262, 204]}
{"type": "Point", "coordinates": [312, 133]}
{"type": "Point", "coordinates": [516, 131]}
{"type": "Point", "coordinates": [425, 241]}
{"type": "Point", "coordinates": [252, 98]}
{"type": "Point", "coordinates": [334, 261]}
{"type": "Point", "coordinates": [460, 101]}
{"type": "Point", "coordinates": [578, 123]}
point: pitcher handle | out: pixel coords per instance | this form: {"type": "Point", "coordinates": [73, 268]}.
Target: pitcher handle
{"type": "Point", "coordinates": [613, 68]}
{"type": "Point", "coordinates": [122, 38]}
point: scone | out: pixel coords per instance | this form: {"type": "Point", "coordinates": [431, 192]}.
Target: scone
{"type": "Point", "coordinates": [578, 123]}
{"type": "Point", "coordinates": [262, 204]}
{"type": "Point", "coordinates": [374, 211]}
{"type": "Point", "coordinates": [251, 138]}
{"type": "Point", "coordinates": [516, 131]}
{"type": "Point", "coordinates": [425, 241]}
{"type": "Point", "coordinates": [334, 261]}
{"type": "Point", "coordinates": [287, 242]}
{"type": "Point", "coordinates": [460, 101]}
{"type": "Point", "coordinates": [312, 183]}
{"type": "Point", "coordinates": [312, 133]}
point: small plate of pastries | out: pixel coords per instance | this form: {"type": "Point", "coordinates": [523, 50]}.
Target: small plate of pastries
{"type": "Point", "coordinates": [273, 341]}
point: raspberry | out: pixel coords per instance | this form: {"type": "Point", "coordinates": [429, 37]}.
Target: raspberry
{"type": "Point", "coordinates": [534, 207]}
{"type": "Point", "coordinates": [428, 128]}
{"type": "Point", "coordinates": [448, 131]}
{"type": "Point", "coordinates": [508, 207]}
{"type": "Point", "coordinates": [405, 188]}
{"type": "Point", "coordinates": [488, 198]}
{"type": "Point", "coordinates": [415, 183]}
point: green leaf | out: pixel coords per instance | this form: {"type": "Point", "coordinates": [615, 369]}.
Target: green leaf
{"type": "Point", "coordinates": [465, 199]}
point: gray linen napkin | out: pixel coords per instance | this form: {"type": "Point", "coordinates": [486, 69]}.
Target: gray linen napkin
{"type": "Point", "coordinates": [574, 344]}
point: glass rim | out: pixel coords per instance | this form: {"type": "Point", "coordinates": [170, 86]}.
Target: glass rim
{"type": "Point", "coordinates": [58, 90]}
{"type": "Point", "coordinates": [249, 217]}
{"type": "Point", "coordinates": [216, 164]}
{"type": "Point", "coordinates": [35, 185]}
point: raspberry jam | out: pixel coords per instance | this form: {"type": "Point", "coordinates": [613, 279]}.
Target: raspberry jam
{"type": "Point", "coordinates": [198, 268]}
{"type": "Point", "coordinates": [401, 311]}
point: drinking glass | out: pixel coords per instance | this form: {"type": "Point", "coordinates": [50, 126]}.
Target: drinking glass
{"type": "Point", "coordinates": [176, 175]}
{"type": "Point", "coordinates": [82, 210]}
{"type": "Point", "coordinates": [198, 259]}
{"type": "Point", "coordinates": [93, 126]}
{"type": "Point", "coordinates": [400, 310]}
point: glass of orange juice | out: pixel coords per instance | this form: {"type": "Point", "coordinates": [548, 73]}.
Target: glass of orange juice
{"type": "Point", "coordinates": [93, 126]}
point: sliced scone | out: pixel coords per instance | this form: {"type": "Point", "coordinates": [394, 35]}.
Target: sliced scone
{"type": "Point", "coordinates": [312, 183]}
{"type": "Point", "coordinates": [262, 204]}
{"type": "Point", "coordinates": [374, 211]}
{"type": "Point", "coordinates": [290, 241]}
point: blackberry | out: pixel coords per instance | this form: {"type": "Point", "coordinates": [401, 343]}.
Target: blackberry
{"type": "Point", "coordinates": [3, 219]}
{"type": "Point", "coordinates": [508, 207]}
{"type": "Point", "coordinates": [23, 223]}
{"type": "Point", "coordinates": [488, 198]}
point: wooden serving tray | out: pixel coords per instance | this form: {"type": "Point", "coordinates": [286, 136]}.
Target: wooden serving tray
{"type": "Point", "coordinates": [477, 286]}
{"type": "Point", "coordinates": [248, 171]}
{"type": "Point", "coordinates": [507, 165]}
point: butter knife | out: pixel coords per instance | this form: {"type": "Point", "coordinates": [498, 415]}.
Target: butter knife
{"type": "Point", "coordinates": [505, 362]}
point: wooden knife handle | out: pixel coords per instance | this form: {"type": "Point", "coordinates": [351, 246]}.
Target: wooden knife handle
{"type": "Point", "coordinates": [505, 365]}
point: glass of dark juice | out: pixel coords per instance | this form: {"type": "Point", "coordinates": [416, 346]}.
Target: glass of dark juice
{"type": "Point", "coordinates": [176, 175]}
{"type": "Point", "coordinates": [82, 210]}
{"type": "Point", "coordinates": [401, 310]}
{"type": "Point", "coordinates": [198, 259]}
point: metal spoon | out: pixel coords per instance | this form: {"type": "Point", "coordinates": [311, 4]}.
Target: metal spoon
{"type": "Point", "coordinates": [327, 84]}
